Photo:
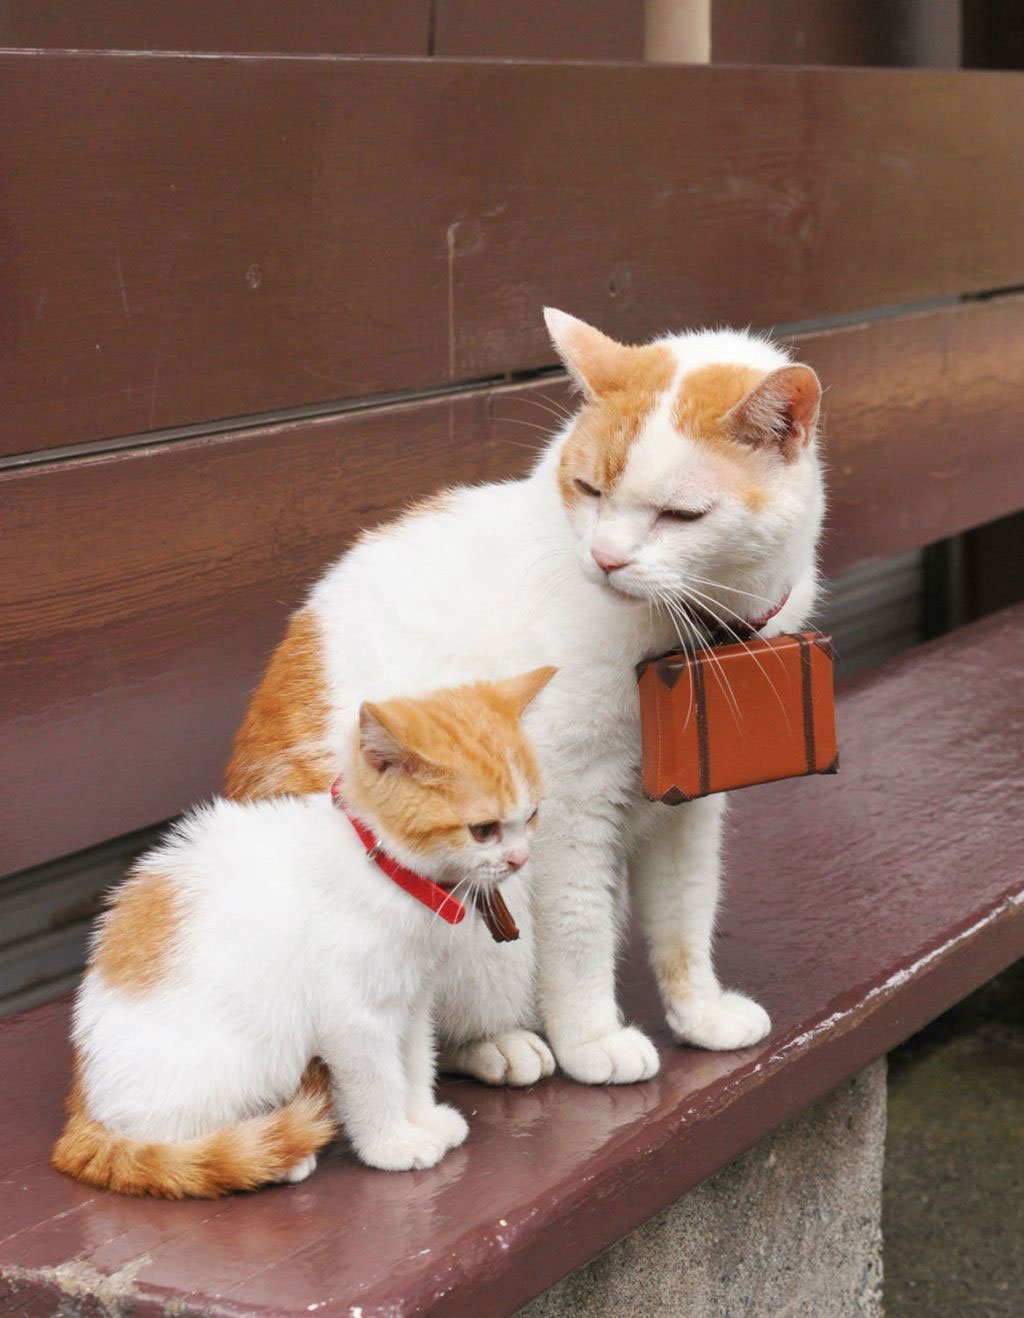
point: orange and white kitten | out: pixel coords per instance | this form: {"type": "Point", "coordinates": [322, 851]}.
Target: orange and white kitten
{"type": "Point", "coordinates": [260, 937]}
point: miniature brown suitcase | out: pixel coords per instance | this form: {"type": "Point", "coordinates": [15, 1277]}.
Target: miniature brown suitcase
{"type": "Point", "coordinates": [736, 715]}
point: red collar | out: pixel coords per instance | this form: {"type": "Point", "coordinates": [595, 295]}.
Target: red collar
{"type": "Point", "coordinates": [425, 890]}
{"type": "Point", "coordinates": [722, 633]}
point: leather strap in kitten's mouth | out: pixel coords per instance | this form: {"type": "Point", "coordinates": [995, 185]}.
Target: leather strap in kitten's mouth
{"type": "Point", "coordinates": [497, 916]}
{"type": "Point", "coordinates": [491, 905]}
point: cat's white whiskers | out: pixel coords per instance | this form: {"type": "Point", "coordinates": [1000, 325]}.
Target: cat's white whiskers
{"type": "Point", "coordinates": [547, 404]}
{"type": "Point", "coordinates": [716, 668]}
{"type": "Point", "coordinates": [708, 601]}
{"type": "Point", "coordinates": [666, 603]}
{"type": "Point", "coordinates": [733, 590]}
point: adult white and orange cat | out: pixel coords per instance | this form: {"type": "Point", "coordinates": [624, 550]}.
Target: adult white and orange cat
{"type": "Point", "coordinates": [687, 487]}
{"type": "Point", "coordinates": [258, 978]}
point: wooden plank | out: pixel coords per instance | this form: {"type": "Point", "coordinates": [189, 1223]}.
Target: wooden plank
{"type": "Point", "coordinates": [144, 590]}
{"type": "Point", "coordinates": [118, 673]}
{"type": "Point", "coordinates": [538, 29]}
{"type": "Point", "coordinates": [550, 1177]}
{"type": "Point", "coordinates": [190, 238]}
{"type": "Point", "coordinates": [923, 421]}
{"type": "Point", "coordinates": [385, 27]}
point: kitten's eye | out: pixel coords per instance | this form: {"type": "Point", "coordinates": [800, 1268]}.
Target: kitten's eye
{"type": "Point", "coordinates": [484, 832]}
{"type": "Point", "coordinates": [533, 817]}
{"type": "Point", "coordinates": [588, 490]}
{"type": "Point", "coordinates": [682, 514]}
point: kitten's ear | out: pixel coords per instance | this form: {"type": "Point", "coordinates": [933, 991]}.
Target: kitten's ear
{"type": "Point", "coordinates": [378, 741]}
{"type": "Point", "coordinates": [382, 742]}
{"type": "Point", "coordinates": [597, 363]}
{"type": "Point", "coordinates": [518, 692]}
{"type": "Point", "coordinates": [781, 412]}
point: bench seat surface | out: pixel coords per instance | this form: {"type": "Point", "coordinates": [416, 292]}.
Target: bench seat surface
{"type": "Point", "coordinates": [858, 907]}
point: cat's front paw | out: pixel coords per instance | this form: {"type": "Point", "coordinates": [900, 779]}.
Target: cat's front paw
{"type": "Point", "coordinates": [518, 1057]}
{"type": "Point", "coordinates": [621, 1057]}
{"type": "Point", "coordinates": [445, 1122]}
{"type": "Point", "coordinates": [721, 1022]}
{"type": "Point", "coordinates": [408, 1148]}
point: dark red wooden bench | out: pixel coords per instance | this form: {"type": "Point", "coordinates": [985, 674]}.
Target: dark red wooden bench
{"type": "Point", "coordinates": [859, 908]}
{"type": "Point", "coordinates": [227, 268]}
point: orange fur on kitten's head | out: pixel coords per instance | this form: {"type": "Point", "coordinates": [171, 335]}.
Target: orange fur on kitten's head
{"type": "Point", "coordinates": [450, 777]}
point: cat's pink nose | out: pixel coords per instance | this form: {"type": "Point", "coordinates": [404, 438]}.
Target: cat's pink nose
{"type": "Point", "coordinates": [517, 857]}
{"type": "Point", "coordinates": [607, 560]}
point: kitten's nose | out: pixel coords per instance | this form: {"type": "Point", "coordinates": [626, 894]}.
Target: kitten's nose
{"type": "Point", "coordinates": [607, 560]}
{"type": "Point", "coordinates": [517, 857]}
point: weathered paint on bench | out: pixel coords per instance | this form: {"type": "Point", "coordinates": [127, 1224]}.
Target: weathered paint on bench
{"type": "Point", "coordinates": [858, 908]}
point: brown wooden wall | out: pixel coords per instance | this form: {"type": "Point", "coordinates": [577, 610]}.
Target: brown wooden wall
{"type": "Point", "coordinates": [229, 245]}
{"type": "Point", "coordinates": [327, 27]}
{"type": "Point", "coordinates": [191, 239]}
{"type": "Point", "coordinates": [905, 33]}
{"type": "Point", "coordinates": [525, 29]}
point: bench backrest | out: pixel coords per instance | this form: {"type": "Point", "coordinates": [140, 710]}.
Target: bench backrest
{"type": "Point", "coordinates": [251, 306]}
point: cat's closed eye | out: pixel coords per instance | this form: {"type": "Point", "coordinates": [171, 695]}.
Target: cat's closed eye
{"type": "Point", "coordinates": [682, 514]}
{"type": "Point", "coordinates": [484, 832]}
{"type": "Point", "coordinates": [588, 490]}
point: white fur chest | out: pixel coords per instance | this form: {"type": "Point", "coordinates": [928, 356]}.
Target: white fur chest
{"type": "Point", "coordinates": [587, 733]}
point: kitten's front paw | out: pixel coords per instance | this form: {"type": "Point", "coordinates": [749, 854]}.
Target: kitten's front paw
{"type": "Point", "coordinates": [619, 1058]}
{"type": "Point", "coordinates": [408, 1148]}
{"type": "Point", "coordinates": [722, 1022]}
{"type": "Point", "coordinates": [518, 1057]}
{"type": "Point", "coordinates": [445, 1122]}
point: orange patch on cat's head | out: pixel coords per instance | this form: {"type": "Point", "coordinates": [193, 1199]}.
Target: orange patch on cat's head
{"type": "Point", "coordinates": [706, 397]}
{"type": "Point", "coordinates": [749, 409]}
{"type": "Point", "coordinates": [621, 385]}
{"type": "Point", "coordinates": [428, 768]}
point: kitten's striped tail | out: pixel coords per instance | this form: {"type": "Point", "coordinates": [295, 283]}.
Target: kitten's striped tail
{"type": "Point", "coordinates": [257, 1151]}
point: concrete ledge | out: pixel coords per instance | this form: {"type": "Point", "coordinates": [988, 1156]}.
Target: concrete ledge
{"type": "Point", "coordinates": [790, 1230]}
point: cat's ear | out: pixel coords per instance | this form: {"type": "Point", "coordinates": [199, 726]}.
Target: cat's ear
{"type": "Point", "coordinates": [781, 412]}
{"type": "Point", "coordinates": [517, 692]}
{"type": "Point", "coordinates": [383, 744]}
{"type": "Point", "coordinates": [597, 363]}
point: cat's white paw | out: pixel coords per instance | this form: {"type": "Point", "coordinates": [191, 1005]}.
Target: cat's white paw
{"type": "Point", "coordinates": [722, 1022]}
{"type": "Point", "coordinates": [303, 1168]}
{"type": "Point", "coordinates": [403, 1150]}
{"type": "Point", "coordinates": [620, 1058]}
{"type": "Point", "coordinates": [445, 1122]}
{"type": "Point", "coordinates": [518, 1058]}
